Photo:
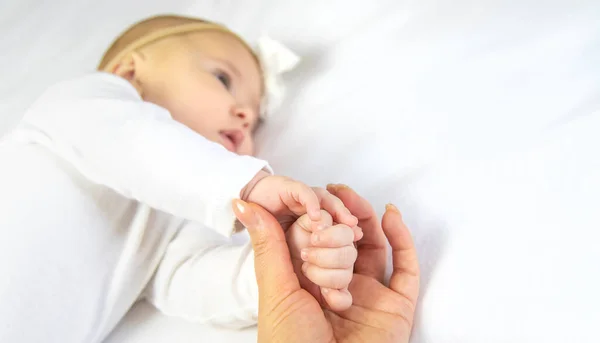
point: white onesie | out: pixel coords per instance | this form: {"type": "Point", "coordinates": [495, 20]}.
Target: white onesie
{"type": "Point", "coordinates": [106, 198]}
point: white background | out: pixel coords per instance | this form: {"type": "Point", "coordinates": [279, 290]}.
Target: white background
{"type": "Point", "coordinates": [479, 119]}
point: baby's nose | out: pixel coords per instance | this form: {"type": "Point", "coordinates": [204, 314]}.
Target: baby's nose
{"type": "Point", "coordinates": [245, 114]}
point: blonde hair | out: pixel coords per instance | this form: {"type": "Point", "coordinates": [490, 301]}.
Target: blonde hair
{"type": "Point", "coordinates": [155, 28]}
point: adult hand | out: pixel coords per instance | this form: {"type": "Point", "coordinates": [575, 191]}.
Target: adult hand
{"type": "Point", "coordinates": [288, 313]}
{"type": "Point", "coordinates": [378, 313]}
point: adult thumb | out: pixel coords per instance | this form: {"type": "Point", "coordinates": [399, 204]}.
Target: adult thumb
{"type": "Point", "coordinates": [272, 263]}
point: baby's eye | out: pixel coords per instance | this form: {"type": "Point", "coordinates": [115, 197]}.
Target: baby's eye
{"type": "Point", "coordinates": [224, 78]}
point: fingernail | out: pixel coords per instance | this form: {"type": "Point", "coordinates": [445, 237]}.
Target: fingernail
{"type": "Point", "coordinates": [325, 290]}
{"type": "Point", "coordinates": [246, 216]}
{"type": "Point", "coordinates": [336, 187]}
{"type": "Point", "coordinates": [241, 205]}
{"type": "Point", "coordinates": [321, 227]}
{"type": "Point", "coordinates": [392, 207]}
{"type": "Point", "coordinates": [304, 254]}
{"type": "Point", "coordinates": [315, 238]}
{"type": "Point", "coordinates": [304, 267]}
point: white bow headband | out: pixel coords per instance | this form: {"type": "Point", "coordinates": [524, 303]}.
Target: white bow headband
{"type": "Point", "coordinates": [275, 60]}
{"type": "Point", "coordinates": [274, 57]}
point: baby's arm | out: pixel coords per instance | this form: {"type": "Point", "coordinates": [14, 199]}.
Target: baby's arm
{"type": "Point", "coordinates": [206, 278]}
{"type": "Point", "coordinates": [100, 125]}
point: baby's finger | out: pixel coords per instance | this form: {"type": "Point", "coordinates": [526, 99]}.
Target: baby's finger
{"type": "Point", "coordinates": [341, 258]}
{"type": "Point", "coordinates": [328, 278]}
{"type": "Point", "coordinates": [333, 237]}
{"type": "Point", "coordinates": [306, 197]}
{"type": "Point", "coordinates": [306, 224]}
{"type": "Point", "coordinates": [336, 207]}
{"type": "Point", "coordinates": [337, 299]}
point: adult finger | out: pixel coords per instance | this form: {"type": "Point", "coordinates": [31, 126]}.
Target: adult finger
{"type": "Point", "coordinates": [405, 275]}
{"type": "Point", "coordinates": [274, 271]}
{"type": "Point", "coordinates": [372, 247]}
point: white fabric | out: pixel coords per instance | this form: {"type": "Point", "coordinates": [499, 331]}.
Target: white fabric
{"type": "Point", "coordinates": [112, 164]}
{"type": "Point", "coordinates": [100, 124]}
{"type": "Point", "coordinates": [478, 118]}
{"type": "Point", "coordinates": [275, 60]}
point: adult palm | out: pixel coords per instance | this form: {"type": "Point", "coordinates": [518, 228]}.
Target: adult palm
{"type": "Point", "coordinates": [288, 313]}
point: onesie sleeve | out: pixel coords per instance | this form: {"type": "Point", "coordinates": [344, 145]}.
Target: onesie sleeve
{"type": "Point", "coordinates": [206, 278]}
{"type": "Point", "coordinates": [102, 127]}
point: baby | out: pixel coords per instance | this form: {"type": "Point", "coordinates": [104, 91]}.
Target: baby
{"type": "Point", "coordinates": [157, 144]}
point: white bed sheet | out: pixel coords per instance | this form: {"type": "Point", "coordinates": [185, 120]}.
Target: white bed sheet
{"type": "Point", "coordinates": [478, 118]}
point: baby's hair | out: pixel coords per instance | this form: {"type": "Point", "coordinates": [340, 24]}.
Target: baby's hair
{"type": "Point", "coordinates": [143, 28]}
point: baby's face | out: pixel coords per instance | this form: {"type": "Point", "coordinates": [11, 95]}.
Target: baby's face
{"type": "Point", "coordinates": [208, 81]}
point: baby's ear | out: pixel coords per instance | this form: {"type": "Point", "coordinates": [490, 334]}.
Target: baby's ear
{"type": "Point", "coordinates": [128, 68]}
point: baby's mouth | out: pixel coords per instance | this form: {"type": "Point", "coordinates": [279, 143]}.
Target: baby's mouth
{"type": "Point", "coordinates": [232, 139]}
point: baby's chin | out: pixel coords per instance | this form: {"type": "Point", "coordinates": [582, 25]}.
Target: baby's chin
{"type": "Point", "coordinates": [245, 152]}
{"type": "Point", "coordinates": [233, 150]}
{"type": "Point", "coordinates": [219, 140]}
{"type": "Point", "coordinates": [242, 150]}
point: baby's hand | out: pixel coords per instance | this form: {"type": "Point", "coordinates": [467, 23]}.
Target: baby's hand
{"type": "Point", "coordinates": [288, 199]}
{"type": "Point", "coordinates": [323, 259]}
